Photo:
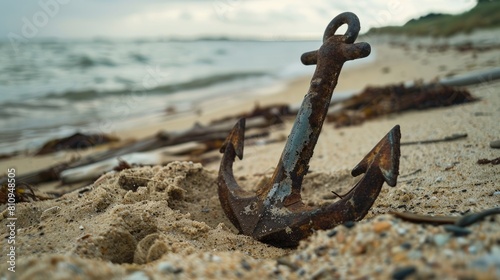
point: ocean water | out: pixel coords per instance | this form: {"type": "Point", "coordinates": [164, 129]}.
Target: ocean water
{"type": "Point", "coordinates": [54, 88]}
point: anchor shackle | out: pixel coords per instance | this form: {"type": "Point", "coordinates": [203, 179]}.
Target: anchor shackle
{"type": "Point", "coordinates": [351, 50]}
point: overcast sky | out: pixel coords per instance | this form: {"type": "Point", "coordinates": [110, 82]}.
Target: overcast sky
{"type": "Point", "coordinates": [151, 18]}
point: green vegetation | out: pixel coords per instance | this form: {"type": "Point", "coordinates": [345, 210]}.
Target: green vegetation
{"type": "Point", "coordinates": [486, 14]}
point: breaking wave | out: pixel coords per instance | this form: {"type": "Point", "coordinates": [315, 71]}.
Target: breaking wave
{"type": "Point", "coordinates": [198, 83]}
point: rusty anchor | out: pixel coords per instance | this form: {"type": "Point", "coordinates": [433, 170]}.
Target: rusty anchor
{"type": "Point", "coordinates": [275, 213]}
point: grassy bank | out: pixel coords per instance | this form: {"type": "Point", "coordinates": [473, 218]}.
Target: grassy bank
{"type": "Point", "coordinates": [486, 14]}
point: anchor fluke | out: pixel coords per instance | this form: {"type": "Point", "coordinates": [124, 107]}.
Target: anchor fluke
{"type": "Point", "coordinates": [386, 155]}
{"type": "Point", "coordinates": [235, 139]}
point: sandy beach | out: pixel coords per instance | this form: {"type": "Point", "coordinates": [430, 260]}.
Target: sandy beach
{"type": "Point", "coordinates": [166, 222]}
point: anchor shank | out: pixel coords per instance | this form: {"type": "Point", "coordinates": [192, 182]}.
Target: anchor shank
{"type": "Point", "coordinates": [294, 162]}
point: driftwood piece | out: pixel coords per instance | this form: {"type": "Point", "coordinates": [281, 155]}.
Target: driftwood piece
{"type": "Point", "coordinates": [210, 133]}
{"type": "Point", "coordinates": [425, 219]}
{"type": "Point", "coordinates": [154, 157]}
{"type": "Point", "coordinates": [161, 156]}
{"type": "Point", "coordinates": [472, 78]}
{"type": "Point", "coordinates": [452, 137]}
{"type": "Point", "coordinates": [460, 221]}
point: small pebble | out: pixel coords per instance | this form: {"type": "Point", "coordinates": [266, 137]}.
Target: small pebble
{"type": "Point", "coordinates": [321, 250]}
{"type": "Point", "coordinates": [69, 266]}
{"type": "Point", "coordinates": [332, 233]}
{"type": "Point", "coordinates": [406, 245]}
{"type": "Point", "coordinates": [403, 272]}
{"type": "Point", "coordinates": [138, 275]}
{"type": "Point", "coordinates": [457, 231]}
{"type": "Point", "coordinates": [448, 252]}
{"type": "Point", "coordinates": [379, 227]}
{"type": "Point", "coordinates": [472, 249]}
{"type": "Point", "coordinates": [495, 144]}
{"type": "Point", "coordinates": [291, 265]}
{"type": "Point", "coordinates": [438, 179]}
{"type": "Point", "coordinates": [402, 231]}
{"type": "Point", "coordinates": [301, 272]}
{"type": "Point", "coordinates": [496, 193]}
{"type": "Point", "coordinates": [462, 241]}
{"type": "Point", "coordinates": [472, 201]}
{"type": "Point", "coordinates": [349, 224]}
{"type": "Point", "coordinates": [441, 239]}
{"type": "Point", "coordinates": [415, 254]}
{"type": "Point", "coordinates": [246, 265]}
{"type": "Point", "coordinates": [81, 227]}
{"type": "Point", "coordinates": [166, 267]}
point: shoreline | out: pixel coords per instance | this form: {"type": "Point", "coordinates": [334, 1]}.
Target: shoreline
{"type": "Point", "coordinates": [383, 67]}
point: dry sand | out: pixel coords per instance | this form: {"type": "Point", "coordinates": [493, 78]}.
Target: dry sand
{"type": "Point", "coordinates": [167, 223]}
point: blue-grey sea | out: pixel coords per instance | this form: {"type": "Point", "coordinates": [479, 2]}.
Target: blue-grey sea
{"type": "Point", "coordinates": [53, 88]}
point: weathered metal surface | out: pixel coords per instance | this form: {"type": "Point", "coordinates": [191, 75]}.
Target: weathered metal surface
{"type": "Point", "coordinates": [275, 213]}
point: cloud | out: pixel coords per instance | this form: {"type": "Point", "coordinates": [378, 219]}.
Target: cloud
{"type": "Point", "coordinates": [279, 18]}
